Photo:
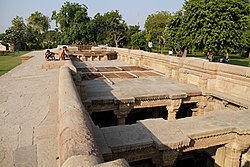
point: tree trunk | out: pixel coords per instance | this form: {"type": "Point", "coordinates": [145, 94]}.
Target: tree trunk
{"type": "Point", "coordinates": [185, 52]}
{"type": "Point", "coordinates": [116, 43]}
{"type": "Point", "coordinates": [227, 56]}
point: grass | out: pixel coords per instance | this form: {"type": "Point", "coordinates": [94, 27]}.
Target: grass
{"type": "Point", "coordinates": [234, 59]}
{"type": "Point", "coordinates": [10, 61]}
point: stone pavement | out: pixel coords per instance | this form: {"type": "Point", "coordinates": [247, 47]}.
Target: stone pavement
{"type": "Point", "coordinates": [28, 115]}
{"type": "Point", "coordinates": [124, 88]}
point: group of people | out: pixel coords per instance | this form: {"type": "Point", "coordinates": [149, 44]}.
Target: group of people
{"type": "Point", "coordinates": [223, 59]}
{"type": "Point", "coordinates": [50, 56]}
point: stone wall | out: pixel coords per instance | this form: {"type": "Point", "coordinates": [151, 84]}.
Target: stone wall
{"type": "Point", "coordinates": [77, 146]}
{"type": "Point", "coordinates": [209, 76]}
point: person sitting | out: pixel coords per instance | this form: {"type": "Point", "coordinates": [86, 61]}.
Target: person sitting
{"type": "Point", "coordinates": [224, 59]}
{"type": "Point", "coordinates": [49, 56]}
{"type": "Point", "coordinates": [63, 53]}
{"type": "Point", "coordinates": [210, 56]}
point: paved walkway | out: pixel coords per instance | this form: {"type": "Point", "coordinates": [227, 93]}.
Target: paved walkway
{"type": "Point", "coordinates": [28, 115]}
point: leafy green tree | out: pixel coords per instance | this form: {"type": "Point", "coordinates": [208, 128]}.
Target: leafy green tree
{"type": "Point", "coordinates": [108, 28]}
{"type": "Point", "coordinates": [245, 41]}
{"type": "Point", "coordinates": [173, 32]}
{"type": "Point", "coordinates": [39, 22]}
{"type": "Point", "coordinates": [97, 29]}
{"type": "Point", "coordinates": [16, 34]}
{"type": "Point", "coordinates": [155, 25]}
{"type": "Point", "coordinates": [2, 36]}
{"type": "Point", "coordinates": [32, 38]}
{"type": "Point", "coordinates": [132, 29]}
{"type": "Point", "coordinates": [116, 27]}
{"type": "Point", "coordinates": [51, 39]}
{"type": "Point", "coordinates": [73, 20]}
{"type": "Point", "coordinates": [138, 40]}
{"type": "Point", "coordinates": [37, 25]}
{"type": "Point", "coordinates": [215, 25]}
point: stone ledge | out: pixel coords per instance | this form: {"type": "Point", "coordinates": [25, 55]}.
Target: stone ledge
{"type": "Point", "coordinates": [232, 99]}
{"type": "Point", "coordinates": [58, 64]}
{"type": "Point", "coordinates": [75, 127]}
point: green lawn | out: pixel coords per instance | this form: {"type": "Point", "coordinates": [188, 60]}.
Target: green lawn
{"type": "Point", "coordinates": [9, 61]}
{"type": "Point", "coordinates": [233, 58]}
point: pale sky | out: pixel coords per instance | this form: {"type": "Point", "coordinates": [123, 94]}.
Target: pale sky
{"type": "Point", "coordinates": [133, 11]}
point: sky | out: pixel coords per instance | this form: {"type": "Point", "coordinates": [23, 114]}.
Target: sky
{"type": "Point", "coordinates": [133, 11]}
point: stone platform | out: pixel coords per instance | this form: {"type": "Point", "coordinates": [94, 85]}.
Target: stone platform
{"type": "Point", "coordinates": [151, 137]}
{"type": "Point", "coordinates": [28, 115]}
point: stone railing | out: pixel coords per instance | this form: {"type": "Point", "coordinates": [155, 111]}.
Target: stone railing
{"type": "Point", "coordinates": [77, 146]}
{"type": "Point", "coordinates": [209, 76]}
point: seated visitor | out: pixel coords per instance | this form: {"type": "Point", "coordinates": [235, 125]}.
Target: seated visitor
{"type": "Point", "coordinates": [63, 53]}
{"type": "Point", "coordinates": [210, 56]}
{"type": "Point", "coordinates": [49, 56]}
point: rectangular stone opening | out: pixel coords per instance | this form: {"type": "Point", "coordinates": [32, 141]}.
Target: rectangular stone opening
{"type": "Point", "coordinates": [146, 113]}
{"type": "Point", "coordinates": [104, 119]}
{"type": "Point", "coordinates": [185, 110]}
{"type": "Point", "coordinates": [142, 163]}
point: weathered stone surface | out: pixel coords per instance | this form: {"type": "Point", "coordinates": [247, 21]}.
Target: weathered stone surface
{"type": "Point", "coordinates": [225, 78]}
{"type": "Point", "coordinates": [213, 129]}
{"type": "Point", "coordinates": [75, 128]}
{"type": "Point", "coordinates": [26, 156]}
{"type": "Point", "coordinates": [28, 99]}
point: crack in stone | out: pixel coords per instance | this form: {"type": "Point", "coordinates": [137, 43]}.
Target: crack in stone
{"type": "Point", "coordinates": [18, 136]}
{"type": "Point", "coordinates": [33, 135]}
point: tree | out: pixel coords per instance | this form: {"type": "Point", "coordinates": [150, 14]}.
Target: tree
{"type": "Point", "coordinates": [138, 40]}
{"type": "Point", "coordinates": [73, 20]}
{"type": "Point", "coordinates": [16, 34]}
{"type": "Point", "coordinates": [2, 36]}
{"type": "Point", "coordinates": [108, 28]}
{"type": "Point", "coordinates": [116, 27]}
{"type": "Point", "coordinates": [173, 32]}
{"type": "Point", "coordinates": [245, 41]}
{"type": "Point", "coordinates": [215, 25]}
{"type": "Point", "coordinates": [97, 29]}
{"type": "Point", "coordinates": [39, 22]}
{"type": "Point", "coordinates": [155, 25]}
{"type": "Point", "coordinates": [132, 29]}
{"type": "Point", "coordinates": [51, 39]}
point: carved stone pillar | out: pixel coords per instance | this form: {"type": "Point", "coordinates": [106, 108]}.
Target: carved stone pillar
{"type": "Point", "coordinates": [232, 155]}
{"type": "Point", "coordinates": [200, 108]}
{"type": "Point", "coordinates": [121, 120]}
{"type": "Point", "coordinates": [220, 156]}
{"type": "Point", "coordinates": [173, 109]}
{"type": "Point", "coordinates": [169, 158]}
{"type": "Point", "coordinates": [201, 105]}
{"type": "Point", "coordinates": [122, 113]}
